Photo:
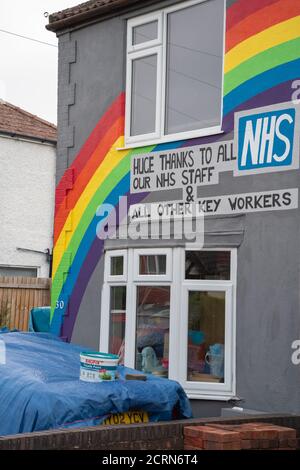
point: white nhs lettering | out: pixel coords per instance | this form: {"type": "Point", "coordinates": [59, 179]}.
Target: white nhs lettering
{"type": "Point", "coordinates": [260, 140]}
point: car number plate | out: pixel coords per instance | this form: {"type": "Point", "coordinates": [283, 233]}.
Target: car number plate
{"type": "Point", "coordinates": [130, 417]}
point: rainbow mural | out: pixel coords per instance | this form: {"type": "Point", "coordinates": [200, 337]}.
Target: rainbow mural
{"type": "Point", "coordinates": [261, 62]}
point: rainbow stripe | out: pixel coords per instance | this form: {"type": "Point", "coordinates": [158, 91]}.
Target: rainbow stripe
{"type": "Point", "coordinates": [262, 58]}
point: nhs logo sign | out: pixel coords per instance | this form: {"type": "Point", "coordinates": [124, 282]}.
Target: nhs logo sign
{"type": "Point", "coordinates": [267, 139]}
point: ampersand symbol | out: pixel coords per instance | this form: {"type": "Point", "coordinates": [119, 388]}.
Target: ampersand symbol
{"type": "Point", "coordinates": [189, 192]}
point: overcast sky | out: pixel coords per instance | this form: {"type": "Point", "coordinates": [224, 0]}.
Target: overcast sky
{"type": "Point", "coordinates": [28, 70]}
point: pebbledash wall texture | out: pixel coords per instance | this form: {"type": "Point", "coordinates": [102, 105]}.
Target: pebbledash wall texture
{"type": "Point", "coordinates": [261, 70]}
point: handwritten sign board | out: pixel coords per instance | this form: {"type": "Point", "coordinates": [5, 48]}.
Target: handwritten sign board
{"type": "Point", "coordinates": [266, 141]}
{"type": "Point", "coordinates": [184, 168]}
{"type": "Point", "coordinates": [283, 199]}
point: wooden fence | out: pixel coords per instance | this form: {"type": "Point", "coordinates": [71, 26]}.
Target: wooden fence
{"type": "Point", "coordinates": [18, 295]}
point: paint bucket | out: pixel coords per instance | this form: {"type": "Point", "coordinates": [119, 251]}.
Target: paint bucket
{"type": "Point", "coordinates": [98, 366]}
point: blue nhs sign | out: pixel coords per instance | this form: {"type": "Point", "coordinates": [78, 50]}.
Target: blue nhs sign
{"type": "Point", "coordinates": [266, 140]}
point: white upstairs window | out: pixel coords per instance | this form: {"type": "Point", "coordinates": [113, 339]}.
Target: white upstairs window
{"type": "Point", "coordinates": [175, 73]}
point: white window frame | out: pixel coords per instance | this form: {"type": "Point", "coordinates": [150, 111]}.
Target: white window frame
{"type": "Point", "coordinates": [130, 344]}
{"type": "Point", "coordinates": [107, 273]}
{"type": "Point", "coordinates": [130, 58]}
{"type": "Point", "coordinates": [140, 21]}
{"type": "Point", "coordinates": [152, 277]}
{"type": "Point", "coordinates": [178, 326]}
{"type": "Point", "coordinates": [105, 313]}
{"type": "Point", "coordinates": [110, 281]}
{"type": "Point", "coordinates": [192, 387]}
{"type": "Point", "coordinates": [209, 390]}
{"type": "Point", "coordinates": [159, 47]}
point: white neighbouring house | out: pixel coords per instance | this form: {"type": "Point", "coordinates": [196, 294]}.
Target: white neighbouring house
{"type": "Point", "coordinates": [27, 191]}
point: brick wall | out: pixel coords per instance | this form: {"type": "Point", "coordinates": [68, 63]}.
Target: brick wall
{"type": "Point", "coordinates": [246, 436]}
{"type": "Point", "coordinates": [153, 436]}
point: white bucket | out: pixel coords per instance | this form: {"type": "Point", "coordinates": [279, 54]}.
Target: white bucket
{"type": "Point", "coordinates": [98, 366]}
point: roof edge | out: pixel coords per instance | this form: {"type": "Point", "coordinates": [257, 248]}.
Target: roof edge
{"type": "Point", "coordinates": [27, 137]}
{"type": "Point", "coordinates": [97, 12]}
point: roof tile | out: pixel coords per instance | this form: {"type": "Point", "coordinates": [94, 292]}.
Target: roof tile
{"type": "Point", "coordinates": [17, 121]}
{"type": "Point", "coordinates": [81, 8]}
{"type": "Point", "coordinates": [85, 11]}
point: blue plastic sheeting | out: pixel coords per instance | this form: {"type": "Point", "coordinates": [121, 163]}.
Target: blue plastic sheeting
{"type": "Point", "coordinates": [40, 388]}
{"type": "Point", "coordinates": [39, 320]}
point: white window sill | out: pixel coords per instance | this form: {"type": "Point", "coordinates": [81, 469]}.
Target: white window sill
{"type": "Point", "coordinates": [173, 138]}
{"type": "Point", "coordinates": [199, 396]}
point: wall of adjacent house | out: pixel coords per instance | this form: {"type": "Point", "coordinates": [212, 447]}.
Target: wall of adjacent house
{"type": "Point", "coordinates": [91, 128]}
{"type": "Point", "coordinates": [27, 175]}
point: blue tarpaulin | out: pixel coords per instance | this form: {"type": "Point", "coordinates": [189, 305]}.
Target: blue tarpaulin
{"type": "Point", "coordinates": [40, 388]}
{"type": "Point", "coordinates": [39, 320]}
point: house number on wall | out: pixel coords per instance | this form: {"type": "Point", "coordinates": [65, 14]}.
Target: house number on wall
{"type": "Point", "coordinates": [296, 354]}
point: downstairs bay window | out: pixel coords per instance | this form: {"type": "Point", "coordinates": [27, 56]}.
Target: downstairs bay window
{"type": "Point", "coordinates": [170, 312]}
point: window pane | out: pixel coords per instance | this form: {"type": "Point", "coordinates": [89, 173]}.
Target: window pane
{"type": "Point", "coordinates": [153, 264]}
{"type": "Point", "coordinates": [207, 265]}
{"type": "Point", "coordinates": [144, 33]}
{"type": "Point", "coordinates": [143, 99]}
{"type": "Point", "coordinates": [15, 272]}
{"type": "Point", "coordinates": [152, 329]}
{"type": "Point", "coordinates": [206, 335]}
{"type": "Point", "coordinates": [194, 67]}
{"type": "Point", "coordinates": [116, 266]}
{"type": "Point", "coordinates": [117, 320]}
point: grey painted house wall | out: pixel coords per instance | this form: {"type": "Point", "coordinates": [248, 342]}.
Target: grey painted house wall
{"type": "Point", "coordinates": [92, 62]}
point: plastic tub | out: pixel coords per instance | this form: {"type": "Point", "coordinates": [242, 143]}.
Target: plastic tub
{"type": "Point", "coordinates": [98, 366]}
